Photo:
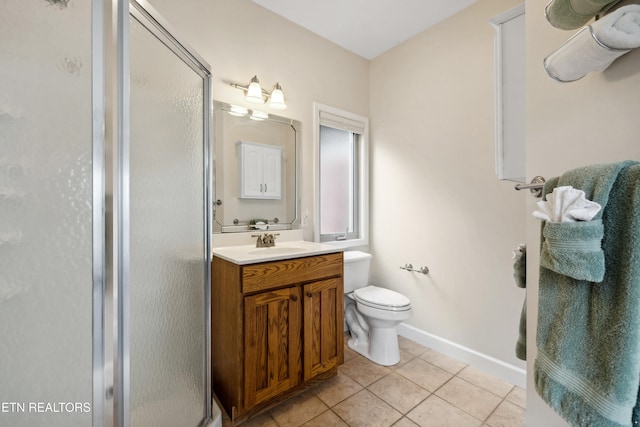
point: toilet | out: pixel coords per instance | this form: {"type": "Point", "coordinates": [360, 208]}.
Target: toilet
{"type": "Point", "coordinates": [371, 312]}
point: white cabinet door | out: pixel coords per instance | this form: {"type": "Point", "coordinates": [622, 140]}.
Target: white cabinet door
{"type": "Point", "coordinates": [250, 160]}
{"type": "Point", "coordinates": [260, 168]}
{"type": "Point", "coordinates": [272, 173]}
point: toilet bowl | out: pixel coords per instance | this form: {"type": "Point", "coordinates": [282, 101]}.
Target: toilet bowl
{"type": "Point", "coordinates": [371, 312]}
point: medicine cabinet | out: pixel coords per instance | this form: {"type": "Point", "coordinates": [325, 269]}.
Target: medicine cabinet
{"type": "Point", "coordinates": [260, 168]}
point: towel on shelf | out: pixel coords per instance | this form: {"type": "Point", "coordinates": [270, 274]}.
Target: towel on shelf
{"type": "Point", "coordinates": [596, 46]}
{"type": "Point", "coordinates": [520, 276]}
{"type": "Point", "coordinates": [588, 339]}
{"type": "Point", "coordinates": [566, 204]}
{"type": "Point", "coordinates": [572, 14]}
{"type": "Point", "coordinates": [620, 29]}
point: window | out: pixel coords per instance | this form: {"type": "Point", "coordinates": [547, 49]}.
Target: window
{"type": "Point", "coordinates": [342, 208]}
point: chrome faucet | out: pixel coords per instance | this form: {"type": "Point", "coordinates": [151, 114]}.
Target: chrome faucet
{"type": "Point", "coordinates": [265, 240]}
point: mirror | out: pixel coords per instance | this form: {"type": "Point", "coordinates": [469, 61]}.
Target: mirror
{"type": "Point", "coordinates": [256, 171]}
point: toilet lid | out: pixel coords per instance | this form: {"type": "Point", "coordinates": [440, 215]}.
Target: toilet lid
{"type": "Point", "coordinates": [381, 298]}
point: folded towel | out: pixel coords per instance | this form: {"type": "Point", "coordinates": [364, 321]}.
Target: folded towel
{"type": "Point", "coordinates": [572, 14]}
{"type": "Point", "coordinates": [574, 249]}
{"type": "Point", "coordinates": [620, 29]}
{"type": "Point", "coordinates": [520, 265]}
{"type": "Point", "coordinates": [520, 276]}
{"type": "Point", "coordinates": [566, 204]}
{"type": "Point", "coordinates": [521, 344]}
{"type": "Point", "coordinates": [596, 46]}
{"type": "Point", "coordinates": [588, 339]}
{"type": "Point", "coordinates": [259, 224]}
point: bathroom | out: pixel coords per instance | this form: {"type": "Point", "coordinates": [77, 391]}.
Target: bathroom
{"type": "Point", "coordinates": [434, 196]}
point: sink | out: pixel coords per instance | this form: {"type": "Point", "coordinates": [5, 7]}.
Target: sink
{"type": "Point", "coordinates": [249, 254]}
{"type": "Point", "coordinates": [277, 250]}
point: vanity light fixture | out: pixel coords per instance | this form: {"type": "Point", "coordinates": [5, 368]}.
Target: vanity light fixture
{"type": "Point", "coordinates": [254, 93]}
{"type": "Point", "coordinates": [238, 111]}
{"type": "Point", "coordinates": [258, 115]}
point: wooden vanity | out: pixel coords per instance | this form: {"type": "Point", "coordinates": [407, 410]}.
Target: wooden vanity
{"type": "Point", "coordinates": [277, 328]}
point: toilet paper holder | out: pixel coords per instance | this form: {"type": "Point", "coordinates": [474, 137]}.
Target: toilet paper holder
{"type": "Point", "coordinates": [409, 267]}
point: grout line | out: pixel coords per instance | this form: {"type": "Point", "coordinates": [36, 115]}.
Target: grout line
{"type": "Point", "coordinates": [497, 406]}
{"type": "Point", "coordinates": [484, 421]}
{"type": "Point", "coordinates": [430, 393]}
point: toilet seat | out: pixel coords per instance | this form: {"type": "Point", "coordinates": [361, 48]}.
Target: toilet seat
{"type": "Point", "coordinates": [382, 299]}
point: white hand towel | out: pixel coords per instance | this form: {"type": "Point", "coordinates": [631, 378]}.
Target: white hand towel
{"type": "Point", "coordinates": [566, 204]}
{"type": "Point", "coordinates": [596, 46]}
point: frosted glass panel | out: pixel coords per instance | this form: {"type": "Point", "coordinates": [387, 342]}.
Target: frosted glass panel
{"type": "Point", "coordinates": [167, 236]}
{"type": "Point", "coordinates": [336, 180]}
{"type": "Point", "coordinates": [45, 213]}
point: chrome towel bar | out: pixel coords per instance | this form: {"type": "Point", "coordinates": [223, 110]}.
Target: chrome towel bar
{"type": "Point", "coordinates": [535, 186]}
{"type": "Point", "coordinates": [424, 269]}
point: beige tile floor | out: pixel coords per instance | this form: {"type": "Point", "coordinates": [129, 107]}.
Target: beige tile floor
{"type": "Point", "coordinates": [425, 389]}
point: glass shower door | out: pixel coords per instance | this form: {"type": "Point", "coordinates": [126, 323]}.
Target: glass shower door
{"type": "Point", "coordinates": [168, 268]}
{"type": "Point", "coordinates": [69, 252]}
{"type": "Point", "coordinates": [46, 357]}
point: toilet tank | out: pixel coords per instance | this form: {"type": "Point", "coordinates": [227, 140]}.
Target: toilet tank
{"type": "Point", "coordinates": [356, 270]}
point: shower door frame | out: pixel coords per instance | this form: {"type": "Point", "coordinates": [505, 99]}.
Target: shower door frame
{"type": "Point", "coordinates": [111, 253]}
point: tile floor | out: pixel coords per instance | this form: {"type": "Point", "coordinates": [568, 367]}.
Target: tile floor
{"type": "Point", "coordinates": [425, 389]}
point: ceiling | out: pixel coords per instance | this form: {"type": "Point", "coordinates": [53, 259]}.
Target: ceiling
{"type": "Point", "coordinates": [365, 27]}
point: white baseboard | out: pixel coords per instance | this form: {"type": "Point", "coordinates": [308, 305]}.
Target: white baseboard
{"type": "Point", "coordinates": [505, 371]}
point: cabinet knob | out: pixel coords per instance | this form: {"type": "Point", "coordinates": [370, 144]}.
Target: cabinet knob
{"type": "Point", "coordinates": [294, 298]}
{"type": "Point", "coordinates": [309, 294]}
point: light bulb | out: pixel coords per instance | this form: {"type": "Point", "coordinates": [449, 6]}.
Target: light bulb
{"type": "Point", "coordinates": [238, 111]}
{"type": "Point", "coordinates": [277, 98]}
{"type": "Point", "coordinates": [258, 115]}
{"type": "Point", "coordinates": [254, 91]}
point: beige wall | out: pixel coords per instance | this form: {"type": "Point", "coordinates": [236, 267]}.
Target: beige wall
{"type": "Point", "coordinates": [435, 196]}
{"type": "Point", "coordinates": [435, 199]}
{"type": "Point", "coordinates": [239, 39]}
{"type": "Point", "coordinates": [589, 121]}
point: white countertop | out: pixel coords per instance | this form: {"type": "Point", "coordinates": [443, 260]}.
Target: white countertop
{"type": "Point", "coordinates": [249, 254]}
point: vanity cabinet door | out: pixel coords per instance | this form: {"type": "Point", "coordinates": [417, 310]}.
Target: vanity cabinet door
{"type": "Point", "coordinates": [323, 322]}
{"type": "Point", "coordinates": [272, 328]}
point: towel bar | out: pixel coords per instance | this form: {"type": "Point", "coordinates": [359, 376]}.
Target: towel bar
{"type": "Point", "coordinates": [535, 187]}
{"type": "Point", "coordinates": [424, 269]}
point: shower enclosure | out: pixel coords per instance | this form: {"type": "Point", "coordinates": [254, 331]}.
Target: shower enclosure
{"type": "Point", "coordinates": [104, 218]}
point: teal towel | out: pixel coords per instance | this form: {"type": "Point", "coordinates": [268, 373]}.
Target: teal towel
{"type": "Point", "coordinates": [588, 341]}
{"type": "Point", "coordinates": [520, 276]}
{"type": "Point", "coordinates": [520, 266]}
{"type": "Point", "coordinates": [574, 249]}
{"type": "Point", "coordinates": [521, 344]}
{"type": "Point", "coordinates": [573, 14]}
